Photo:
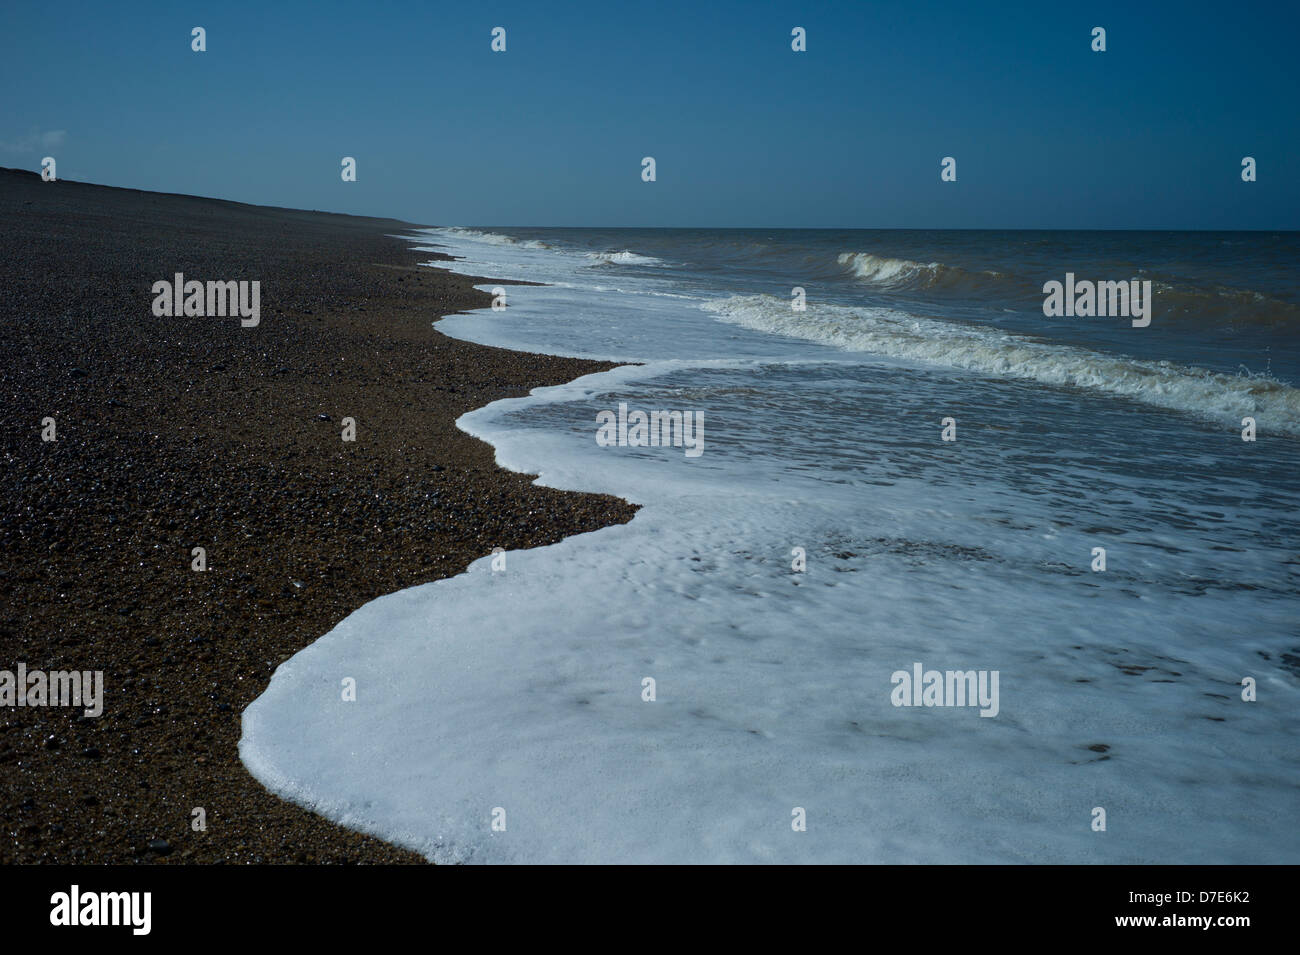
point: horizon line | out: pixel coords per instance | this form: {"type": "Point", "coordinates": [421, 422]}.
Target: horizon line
{"type": "Point", "coordinates": [717, 228]}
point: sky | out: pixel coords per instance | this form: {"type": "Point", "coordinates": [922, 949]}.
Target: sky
{"type": "Point", "coordinates": [745, 132]}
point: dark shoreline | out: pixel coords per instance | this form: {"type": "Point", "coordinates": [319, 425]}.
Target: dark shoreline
{"type": "Point", "coordinates": [182, 432]}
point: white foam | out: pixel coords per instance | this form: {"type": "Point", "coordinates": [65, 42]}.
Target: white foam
{"type": "Point", "coordinates": [623, 258]}
{"type": "Point", "coordinates": [492, 238]}
{"type": "Point", "coordinates": [1224, 399]}
{"type": "Point", "coordinates": [522, 690]}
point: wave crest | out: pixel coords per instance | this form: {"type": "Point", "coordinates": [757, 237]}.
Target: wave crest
{"type": "Point", "coordinates": [495, 238]}
{"type": "Point", "coordinates": [904, 273]}
{"type": "Point", "coordinates": [1217, 397]}
{"type": "Point", "coordinates": [882, 270]}
{"type": "Point", "coordinates": [622, 258]}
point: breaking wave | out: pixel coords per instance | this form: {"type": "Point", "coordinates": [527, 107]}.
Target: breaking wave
{"type": "Point", "coordinates": [495, 238]}
{"type": "Point", "coordinates": [904, 273]}
{"type": "Point", "coordinates": [622, 258]}
{"type": "Point", "coordinates": [1217, 397]}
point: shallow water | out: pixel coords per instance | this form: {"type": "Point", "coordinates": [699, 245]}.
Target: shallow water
{"type": "Point", "coordinates": [523, 689]}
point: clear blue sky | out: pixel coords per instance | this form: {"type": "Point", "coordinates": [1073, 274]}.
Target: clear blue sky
{"type": "Point", "coordinates": [745, 132]}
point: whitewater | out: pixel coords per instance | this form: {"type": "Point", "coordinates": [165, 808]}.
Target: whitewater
{"type": "Point", "coordinates": [688, 687]}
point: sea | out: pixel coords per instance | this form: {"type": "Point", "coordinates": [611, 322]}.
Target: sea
{"type": "Point", "coordinates": [920, 574]}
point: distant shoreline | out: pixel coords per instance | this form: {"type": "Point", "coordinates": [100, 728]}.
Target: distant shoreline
{"type": "Point", "coordinates": [183, 432]}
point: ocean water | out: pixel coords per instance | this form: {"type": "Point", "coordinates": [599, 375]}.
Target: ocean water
{"type": "Point", "coordinates": [822, 537]}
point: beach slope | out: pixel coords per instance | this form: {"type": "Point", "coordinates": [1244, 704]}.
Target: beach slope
{"type": "Point", "coordinates": [182, 432]}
